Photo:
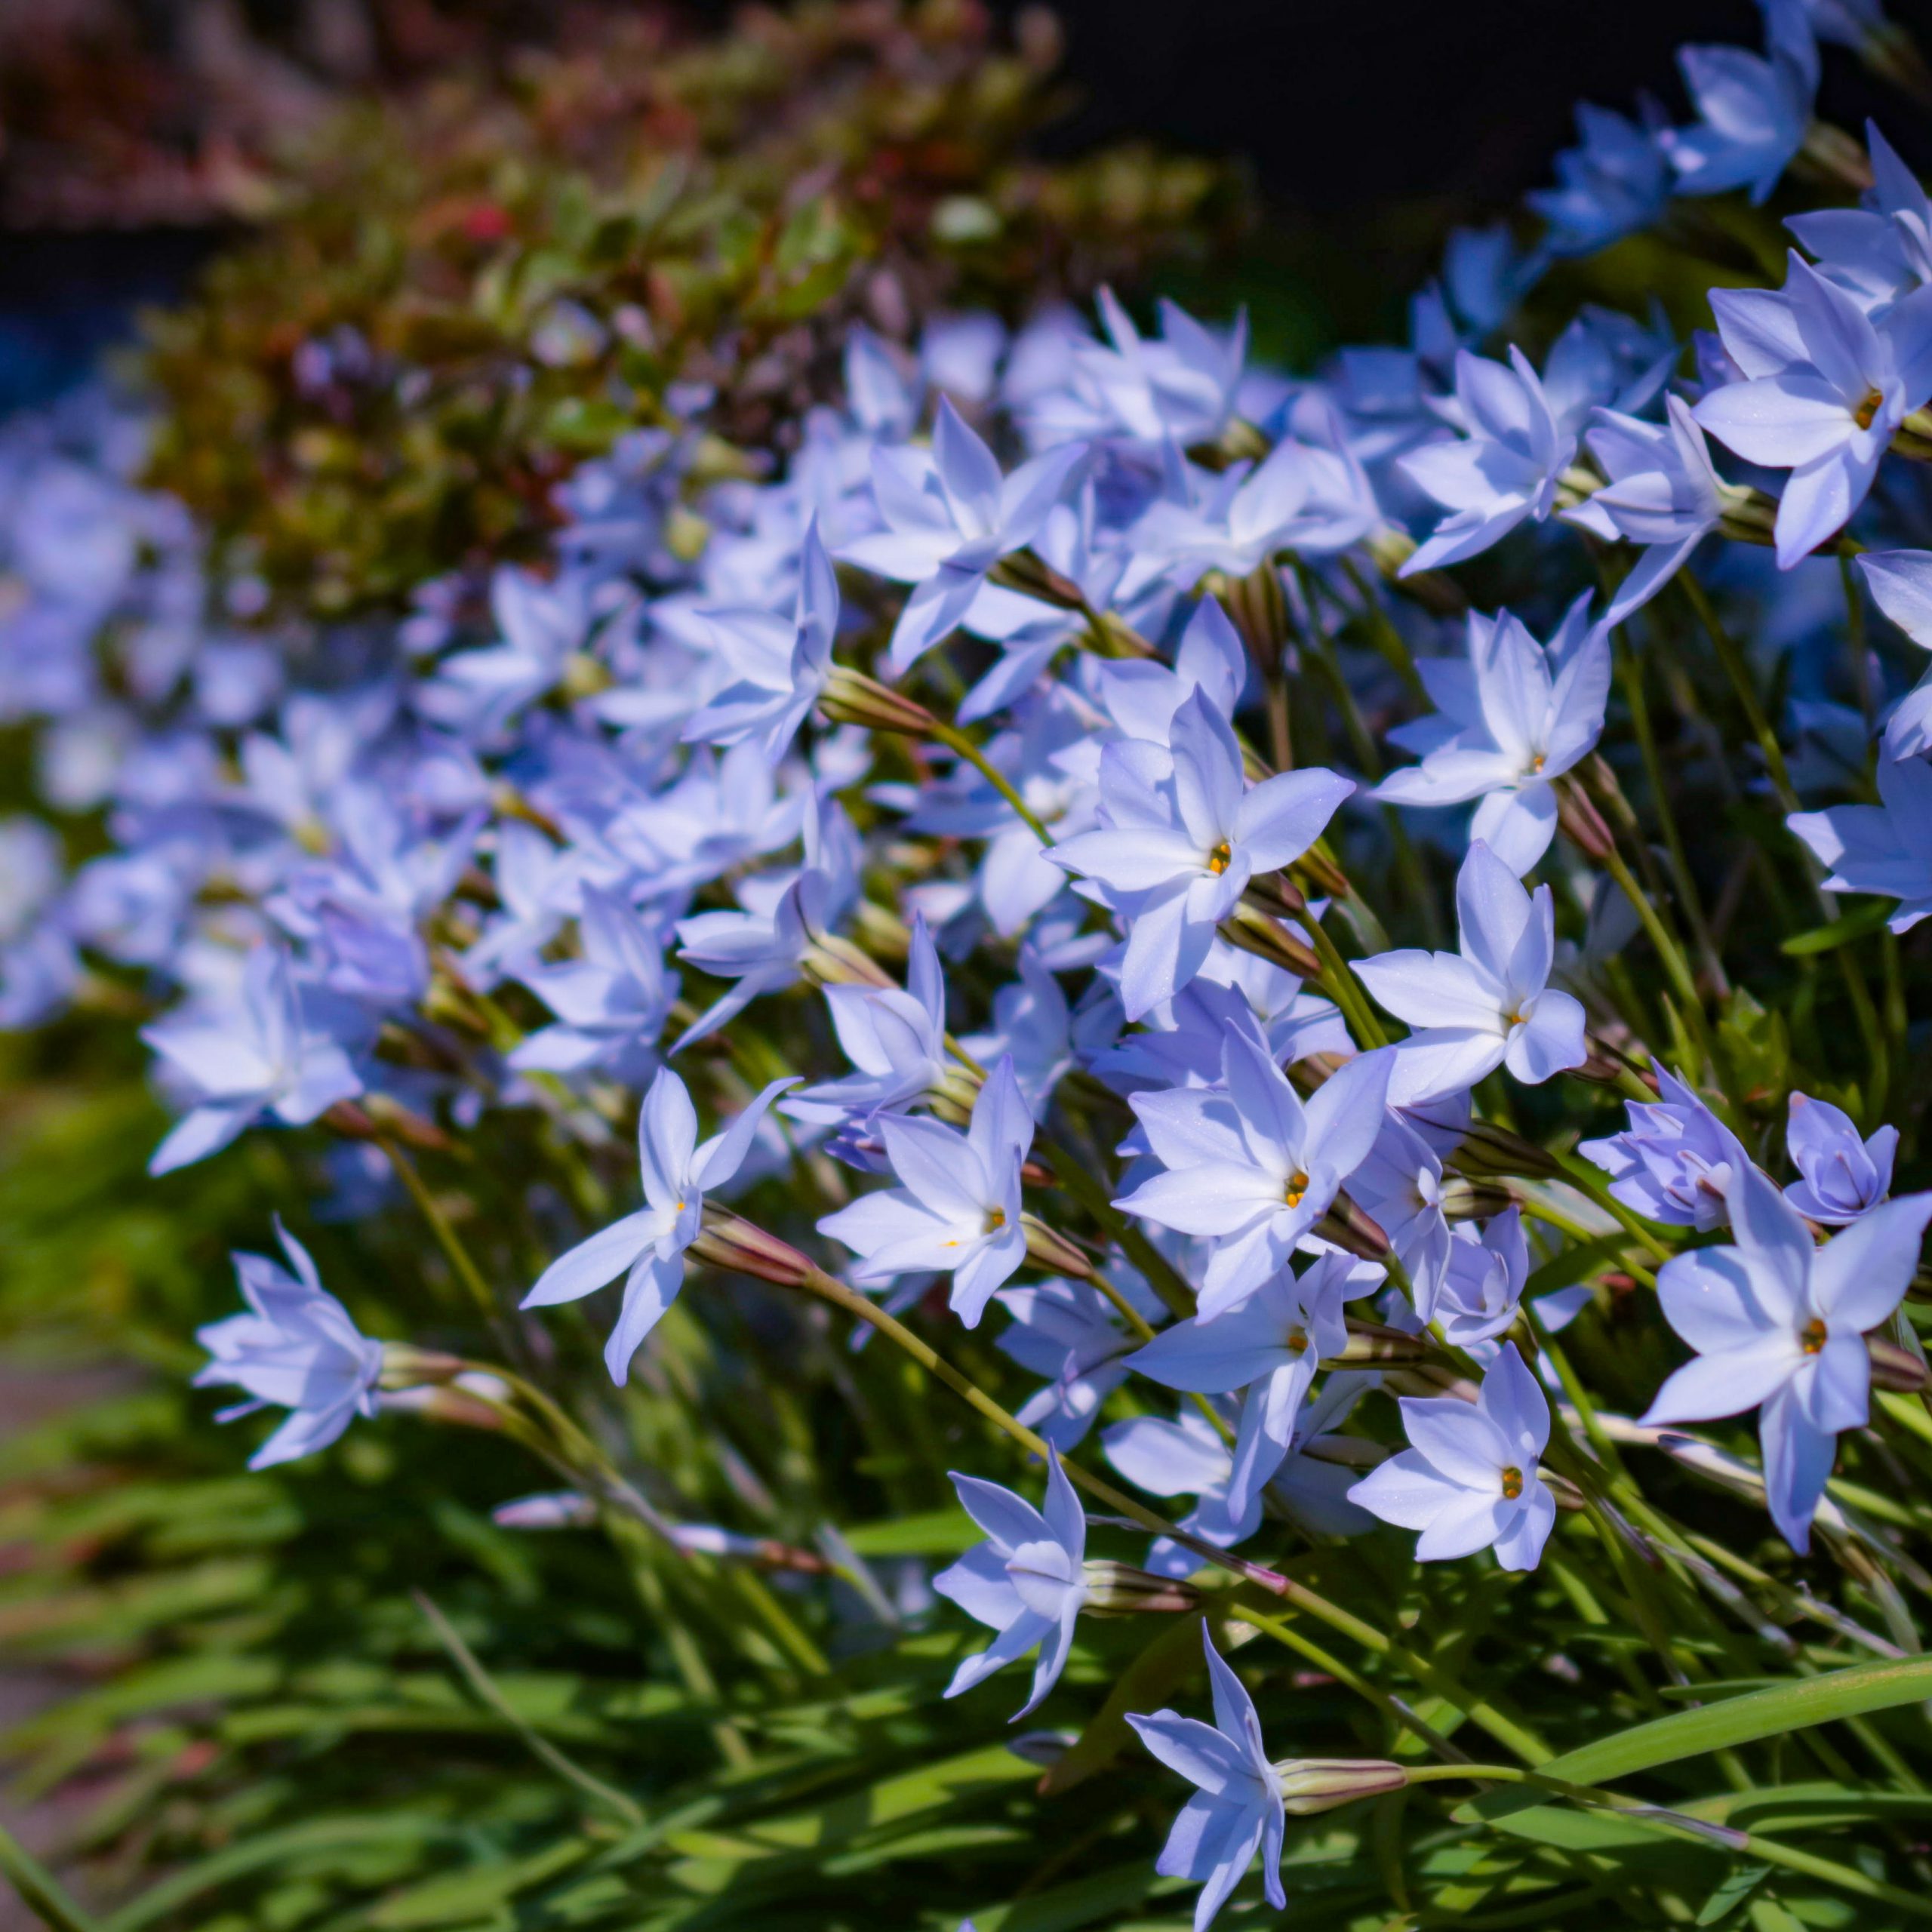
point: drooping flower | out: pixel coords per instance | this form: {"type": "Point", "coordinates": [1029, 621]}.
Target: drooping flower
{"type": "Point", "coordinates": [647, 1247]}
{"type": "Point", "coordinates": [1181, 834]}
{"type": "Point", "coordinates": [298, 1349]}
{"type": "Point", "coordinates": [1470, 1479]}
{"type": "Point", "coordinates": [1616, 181]}
{"type": "Point", "coordinates": [1675, 1160]}
{"type": "Point", "coordinates": [1249, 1166]}
{"type": "Point", "coordinates": [1238, 1810]}
{"type": "Point", "coordinates": [1489, 1005]}
{"type": "Point", "coordinates": [1026, 1581]}
{"type": "Point", "coordinates": [1481, 1285]}
{"type": "Point", "coordinates": [1779, 1325]}
{"type": "Point", "coordinates": [1842, 1175]}
{"type": "Point", "coordinates": [957, 1210]}
{"type": "Point", "coordinates": [1510, 721]}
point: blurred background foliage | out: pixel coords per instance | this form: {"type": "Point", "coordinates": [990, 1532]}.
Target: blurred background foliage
{"type": "Point", "coordinates": [336, 1697]}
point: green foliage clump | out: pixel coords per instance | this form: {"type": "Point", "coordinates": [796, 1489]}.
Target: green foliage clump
{"type": "Point", "coordinates": [455, 299]}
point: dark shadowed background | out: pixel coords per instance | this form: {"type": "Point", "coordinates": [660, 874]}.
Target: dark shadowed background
{"type": "Point", "coordinates": [1370, 125]}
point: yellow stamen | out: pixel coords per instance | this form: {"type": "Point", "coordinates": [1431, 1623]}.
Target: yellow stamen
{"type": "Point", "coordinates": [1296, 1342]}
{"type": "Point", "coordinates": [1221, 858]}
{"type": "Point", "coordinates": [1868, 407]}
{"type": "Point", "coordinates": [1297, 1187]}
{"type": "Point", "coordinates": [995, 1220]}
{"type": "Point", "coordinates": [1512, 1484]}
{"type": "Point", "coordinates": [1811, 1337]}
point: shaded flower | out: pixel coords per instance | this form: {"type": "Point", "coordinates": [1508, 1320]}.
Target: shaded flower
{"type": "Point", "coordinates": [1675, 1161]}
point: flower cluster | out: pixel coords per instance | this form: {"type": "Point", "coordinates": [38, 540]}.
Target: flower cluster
{"type": "Point", "coordinates": [1023, 732]}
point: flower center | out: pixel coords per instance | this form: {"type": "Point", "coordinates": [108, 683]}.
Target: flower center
{"type": "Point", "coordinates": [1537, 763]}
{"type": "Point", "coordinates": [1811, 1337]}
{"type": "Point", "coordinates": [1296, 1341]}
{"type": "Point", "coordinates": [1512, 1484]}
{"type": "Point", "coordinates": [1868, 407]}
{"type": "Point", "coordinates": [1219, 859]}
{"type": "Point", "coordinates": [1297, 1187]}
{"type": "Point", "coordinates": [995, 1220]}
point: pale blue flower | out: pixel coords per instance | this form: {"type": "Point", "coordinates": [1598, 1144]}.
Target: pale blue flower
{"type": "Point", "coordinates": [1826, 388]}
{"type": "Point", "coordinates": [1181, 835]}
{"type": "Point", "coordinates": [263, 1055]}
{"type": "Point", "coordinates": [780, 665]}
{"type": "Point", "coordinates": [1511, 721]}
{"type": "Point", "coordinates": [1780, 1325]}
{"type": "Point", "coordinates": [648, 1246]}
{"type": "Point", "coordinates": [763, 947]}
{"type": "Point", "coordinates": [541, 626]}
{"type": "Point", "coordinates": [540, 885]}
{"type": "Point", "coordinates": [1471, 1478]}
{"type": "Point", "coordinates": [1676, 1160]}
{"type": "Point", "coordinates": [1069, 1331]}
{"type": "Point", "coordinates": [1885, 848]}
{"type": "Point", "coordinates": [958, 1210]}
{"type": "Point", "coordinates": [610, 1002]}
{"type": "Point", "coordinates": [1489, 1004]}
{"type": "Point", "coordinates": [1753, 113]}
{"type": "Point", "coordinates": [1506, 468]}
{"type": "Point", "coordinates": [1238, 1810]}
{"type": "Point", "coordinates": [298, 1349]}
{"type": "Point", "coordinates": [1269, 1345]}
{"type": "Point", "coordinates": [949, 517]}
{"type": "Point", "coordinates": [1842, 1176]}
{"type": "Point", "coordinates": [1881, 249]}
{"type": "Point", "coordinates": [1663, 494]}
{"type": "Point", "coordinates": [1249, 1166]}
{"type": "Point", "coordinates": [1616, 182]}
{"type": "Point", "coordinates": [1481, 1283]}
{"type": "Point", "coordinates": [1026, 1581]}
{"type": "Point", "coordinates": [895, 1040]}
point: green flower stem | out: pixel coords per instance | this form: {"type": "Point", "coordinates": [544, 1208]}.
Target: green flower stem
{"type": "Point", "coordinates": [1676, 968]}
{"type": "Point", "coordinates": [447, 1239]}
{"type": "Point", "coordinates": [1383, 633]}
{"type": "Point", "coordinates": [1338, 982]}
{"type": "Point", "coordinates": [1082, 1182]}
{"type": "Point", "coordinates": [955, 739]}
{"type": "Point", "coordinates": [1394, 1709]}
{"type": "Point", "coordinates": [1536, 1211]}
{"type": "Point", "coordinates": [1631, 674]}
{"type": "Point", "coordinates": [1589, 1180]}
{"type": "Point", "coordinates": [1505, 1730]}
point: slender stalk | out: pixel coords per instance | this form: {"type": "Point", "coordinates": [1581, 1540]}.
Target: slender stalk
{"type": "Point", "coordinates": [1339, 981]}
{"type": "Point", "coordinates": [40, 1891]}
{"type": "Point", "coordinates": [955, 739]}
{"type": "Point", "coordinates": [447, 1239]}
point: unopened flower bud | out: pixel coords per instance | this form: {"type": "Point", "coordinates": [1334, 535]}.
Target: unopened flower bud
{"type": "Point", "coordinates": [851, 697]}
{"type": "Point", "coordinates": [1371, 1342]}
{"type": "Point", "coordinates": [830, 961]}
{"type": "Point", "coordinates": [1250, 929]}
{"type": "Point", "coordinates": [1054, 1251]}
{"type": "Point", "coordinates": [740, 1247]}
{"type": "Point", "coordinates": [405, 1366]}
{"type": "Point", "coordinates": [1463, 1199]}
{"type": "Point", "coordinates": [1350, 1227]}
{"type": "Point", "coordinates": [554, 1509]}
{"type": "Point", "coordinates": [1118, 1590]}
{"type": "Point", "coordinates": [1581, 823]}
{"type": "Point", "coordinates": [1488, 1150]}
{"type": "Point", "coordinates": [1030, 574]}
{"type": "Point", "coordinates": [1320, 1784]}
{"type": "Point", "coordinates": [1895, 1367]}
